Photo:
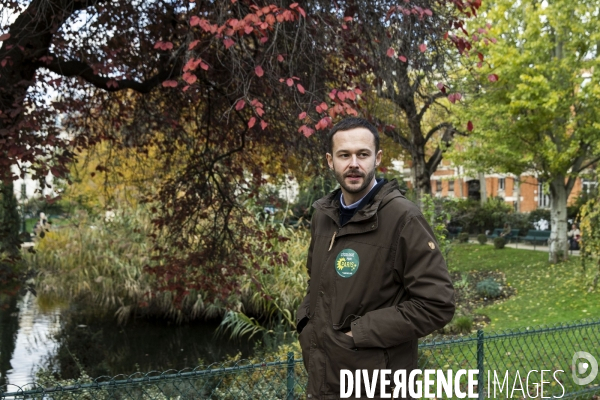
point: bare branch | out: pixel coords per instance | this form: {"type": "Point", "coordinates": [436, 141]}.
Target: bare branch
{"type": "Point", "coordinates": [85, 71]}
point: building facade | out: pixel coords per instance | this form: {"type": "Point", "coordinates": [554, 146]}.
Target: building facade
{"type": "Point", "coordinates": [525, 193]}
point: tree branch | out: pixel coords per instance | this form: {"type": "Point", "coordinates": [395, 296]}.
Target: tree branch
{"type": "Point", "coordinates": [430, 100]}
{"type": "Point", "coordinates": [437, 128]}
{"type": "Point", "coordinates": [81, 69]}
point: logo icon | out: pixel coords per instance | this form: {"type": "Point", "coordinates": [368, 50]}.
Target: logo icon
{"type": "Point", "coordinates": [346, 263]}
{"type": "Point", "coordinates": [580, 367]}
{"type": "Point", "coordinates": [431, 245]}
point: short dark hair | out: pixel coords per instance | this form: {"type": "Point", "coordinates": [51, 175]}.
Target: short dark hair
{"type": "Point", "coordinates": [351, 123]}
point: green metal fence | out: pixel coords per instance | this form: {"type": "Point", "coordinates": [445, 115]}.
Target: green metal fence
{"type": "Point", "coordinates": [510, 354]}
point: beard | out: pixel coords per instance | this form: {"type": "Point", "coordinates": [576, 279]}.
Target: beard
{"type": "Point", "coordinates": [367, 179]}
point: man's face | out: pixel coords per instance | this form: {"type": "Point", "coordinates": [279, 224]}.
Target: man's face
{"type": "Point", "coordinates": [353, 160]}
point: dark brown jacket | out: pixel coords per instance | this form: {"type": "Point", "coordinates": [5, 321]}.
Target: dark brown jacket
{"type": "Point", "coordinates": [383, 277]}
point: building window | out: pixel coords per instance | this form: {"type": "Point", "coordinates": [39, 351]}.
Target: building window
{"type": "Point", "coordinates": [438, 186]}
{"type": "Point", "coordinates": [501, 183]}
{"type": "Point", "coordinates": [451, 186]}
{"type": "Point", "coordinates": [543, 199]}
{"type": "Point", "coordinates": [588, 187]}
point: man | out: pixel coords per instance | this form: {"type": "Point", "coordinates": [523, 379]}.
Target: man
{"type": "Point", "coordinates": [377, 278]}
{"type": "Point", "coordinates": [506, 231]}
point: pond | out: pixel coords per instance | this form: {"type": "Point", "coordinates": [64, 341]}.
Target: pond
{"type": "Point", "coordinates": [65, 340]}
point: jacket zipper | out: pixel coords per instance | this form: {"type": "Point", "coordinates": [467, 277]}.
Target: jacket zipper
{"type": "Point", "coordinates": [333, 239]}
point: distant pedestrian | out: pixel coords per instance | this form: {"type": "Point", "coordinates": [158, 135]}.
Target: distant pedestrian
{"type": "Point", "coordinates": [574, 236]}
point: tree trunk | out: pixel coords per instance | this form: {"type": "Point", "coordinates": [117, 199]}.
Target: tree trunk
{"type": "Point", "coordinates": [558, 245]}
{"type": "Point", "coordinates": [421, 177]}
{"type": "Point", "coordinates": [482, 188]}
{"type": "Point", "coordinates": [517, 193]}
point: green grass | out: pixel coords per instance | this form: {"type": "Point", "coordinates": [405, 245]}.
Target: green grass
{"type": "Point", "coordinates": [545, 294]}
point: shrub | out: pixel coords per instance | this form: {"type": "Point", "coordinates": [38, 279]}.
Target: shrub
{"type": "Point", "coordinates": [463, 237]}
{"type": "Point", "coordinates": [463, 324]}
{"type": "Point", "coordinates": [488, 288]}
{"type": "Point", "coordinates": [499, 242]}
{"type": "Point", "coordinates": [481, 238]}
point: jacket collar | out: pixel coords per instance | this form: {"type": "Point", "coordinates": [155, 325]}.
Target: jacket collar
{"type": "Point", "coordinates": [330, 204]}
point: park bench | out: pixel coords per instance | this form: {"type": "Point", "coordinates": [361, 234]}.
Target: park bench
{"type": "Point", "coordinates": [454, 231]}
{"type": "Point", "coordinates": [495, 233]}
{"type": "Point", "coordinates": [535, 236]}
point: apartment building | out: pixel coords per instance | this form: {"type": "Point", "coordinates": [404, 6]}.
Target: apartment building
{"type": "Point", "coordinates": [525, 193]}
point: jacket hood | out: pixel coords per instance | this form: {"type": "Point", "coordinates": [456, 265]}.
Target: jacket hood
{"type": "Point", "coordinates": [330, 204]}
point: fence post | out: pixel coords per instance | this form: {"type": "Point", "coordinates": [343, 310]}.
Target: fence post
{"type": "Point", "coordinates": [480, 363]}
{"type": "Point", "coordinates": [291, 379]}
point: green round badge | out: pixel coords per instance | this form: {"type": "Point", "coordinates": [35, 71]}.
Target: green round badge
{"type": "Point", "coordinates": [346, 263]}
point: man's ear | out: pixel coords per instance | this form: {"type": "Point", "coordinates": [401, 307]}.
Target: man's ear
{"type": "Point", "coordinates": [378, 157]}
{"type": "Point", "coordinates": [329, 160]}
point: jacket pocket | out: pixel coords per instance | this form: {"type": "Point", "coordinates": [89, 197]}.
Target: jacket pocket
{"type": "Point", "coordinates": [304, 339]}
{"type": "Point", "coordinates": [343, 354]}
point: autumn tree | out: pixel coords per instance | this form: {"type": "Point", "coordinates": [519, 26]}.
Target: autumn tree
{"type": "Point", "coordinates": [207, 84]}
{"type": "Point", "coordinates": [413, 55]}
{"type": "Point", "coordinates": [541, 116]}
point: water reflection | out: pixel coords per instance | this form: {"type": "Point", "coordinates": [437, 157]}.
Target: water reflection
{"type": "Point", "coordinates": [26, 337]}
{"type": "Point", "coordinates": [67, 340]}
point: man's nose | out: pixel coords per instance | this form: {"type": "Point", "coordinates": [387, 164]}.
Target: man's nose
{"type": "Point", "coordinates": [354, 162]}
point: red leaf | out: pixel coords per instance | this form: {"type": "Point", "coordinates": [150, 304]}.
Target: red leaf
{"type": "Point", "coordinates": [195, 20]}
{"type": "Point", "coordinates": [280, 58]}
{"type": "Point", "coordinates": [428, 12]}
{"type": "Point", "coordinates": [323, 123]}
{"type": "Point", "coordinates": [469, 126]}
{"type": "Point", "coordinates": [348, 19]}
{"type": "Point", "coordinates": [260, 111]}
{"type": "Point", "coordinates": [289, 81]}
{"type": "Point", "coordinates": [302, 12]}
{"type": "Point", "coordinates": [259, 71]}
{"type": "Point", "coordinates": [300, 88]}
{"type": "Point", "coordinates": [263, 125]}
{"type": "Point", "coordinates": [402, 58]}
{"type": "Point", "coordinates": [264, 39]}
{"type": "Point", "coordinates": [341, 96]}
{"type": "Point", "coordinates": [189, 77]}
{"type": "Point", "coordinates": [390, 52]}
{"type": "Point", "coordinates": [423, 47]}
{"type": "Point", "coordinates": [493, 78]}
{"type": "Point", "coordinates": [169, 83]}
{"type": "Point", "coordinates": [324, 106]}
{"type": "Point", "coordinates": [306, 131]}
{"type": "Point", "coordinates": [251, 122]}
{"type": "Point", "coordinates": [228, 43]}
{"type": "Point", "coordinates": [240, 104]}
{"type": "Point", "coordinates": [454, 97]}
{"type": "Point", "coordinates": [357, 91]}
{"type": "Point", "coordinates": [193, 44]}
{"type": "Point", "coordinates": [480, 56]}
{"type": "Point", "coordinates": [191, 65]}
{"type": "Point", "coordinates": [302, 115]}
{"type": "Point", "coordinates": [319, 110]}
{"type": "Point", "coordinates": [332, 94]}
{"type": "Point", "coordinates": [293, 5]}
{"type": "Point", "coordinates": [204, 66]}
{"type": "Point", "coordinates": [248, 29]}
{"type": "Point", "coordinates": [440, 85]}
{"type": "Point", "coordinates": [4, 37]}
